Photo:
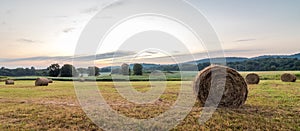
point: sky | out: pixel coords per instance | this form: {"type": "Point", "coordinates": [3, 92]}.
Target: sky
{"type": "Point", "coordinates": [38, 33]}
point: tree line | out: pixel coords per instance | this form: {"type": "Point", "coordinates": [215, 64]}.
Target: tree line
{"type": "Point", "coordinates": [265, 64]}
{"type": "Point", "coordinates": [54, 70]}
{"type": "Point", "coordinates": [68, 70]}
{"type": "Point", "coordinates": [124, 69]}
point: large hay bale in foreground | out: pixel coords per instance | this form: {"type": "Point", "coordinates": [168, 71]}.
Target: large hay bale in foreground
{"type": "Point", "coordinates": [41, 82]}
{"type": "Point", "coordinates": [216, 78]}
{"type": "Point", "coordinates": [9, 82]}
{"type": "Point", "coordinates": [252, 78]}
{"type": "Point", "coordinates": [286, 77]}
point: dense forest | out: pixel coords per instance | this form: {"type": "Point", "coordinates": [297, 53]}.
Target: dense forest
{"type": "Point", "coordinates": [263, 64]}
{"type": "Point", "coordinates": [267, 64]}
{"type": "Point", "coordinates": [53, 70]}
{"type": "Point", "coordinates": [23, 72]}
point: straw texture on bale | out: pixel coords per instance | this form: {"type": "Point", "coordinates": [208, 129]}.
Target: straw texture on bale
{"type": "Point", "coordinates": [214, 79]}
{"type": "Point", "coordinates": [41, 82]}
{"type": "Point", "coordinates": [252, 78]}
{"type": "Point", "coordinates": [286, 77]}
{"type": "Point", "coordinates": [50, 80]}
{"type": "Point", "coordinates": [9, 82]}
{"type": "Point", "coordinates": [81, 79]}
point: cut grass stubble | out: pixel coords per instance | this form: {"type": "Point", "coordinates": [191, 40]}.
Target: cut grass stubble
{"type": "Point", "coordinates": [271, 105]}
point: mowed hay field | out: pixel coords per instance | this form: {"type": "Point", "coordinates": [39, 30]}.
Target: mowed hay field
{"type": "Point", "coordinates": [271, 105]}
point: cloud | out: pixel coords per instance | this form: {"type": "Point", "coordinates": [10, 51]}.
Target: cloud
{"type": "Point", "coordinates": [67, 30]}
{"type": "Point", "coordinates": [90, 10]}
{"type": "Point", "coordinates": [58, 16]}
{"type": "Point", "coordinates": [103, 56]}
{"type": "Point", "coordinates": [152, 52]}
{"type": "Point", "coordinates": [245, 40]}
{"type": "Point", "coordinates": [240, 50]}
{"type": "Point", "coordinates": [104, 17]}
{"type": "Point", "coordinates": [8, 12]}
{"type": "Point", "coordinates": [117, 54]}
{"type": "Point", "coordinates": [114, 4]}
{"type": "Point", "coordinates": [25, 40]}
{"type": "Point", "coordinates": [175, 51]}
{"type": "Point", "coordinates": [61, 16]}
{"type": "Point", "coordinates": [121, 56]}
{"type": "Point", "coordinates": [105, 6]}
{"type": "Point", "coordinates": [39, 58]}
{"type": "Point", "coordinates": [199, 55]}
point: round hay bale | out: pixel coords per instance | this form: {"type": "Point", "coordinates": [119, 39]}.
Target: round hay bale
{"type": "Point", "coordinates": [252, 78]}
{"type": "Point", "coordinates": [9, 82]}
{"type": "Point", "coordinates": [41, 82]}
{"type": "Point", "coordinates": [235, 91]}
{"type": "Point", "coordinates": [81, 79]}
{"type": "Point", "coordinates": [50, 80]}
{"type": "Point", "coordinates": [287, 77]}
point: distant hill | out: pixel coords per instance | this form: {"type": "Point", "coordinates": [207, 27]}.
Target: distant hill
{"type": "Point", "coordinates": [145, 65]}
{"type": "Point", "coordinates": [278, 56]}
{"type": "Point", "coordinates": [228, 59]}
{"type": "Point", "coordinates": [240, 59]}
{"type": "Point", "coordinates": [295, 56]}
{"type": "Point", "coordinates": [231, 60]}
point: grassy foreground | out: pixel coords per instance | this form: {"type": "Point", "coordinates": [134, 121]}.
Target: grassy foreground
{"type": "Point", "coordinates": [271, 105]}
{"type": "Point", "coordinates": [169, 76]}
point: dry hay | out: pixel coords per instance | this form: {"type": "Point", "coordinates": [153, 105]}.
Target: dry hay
{"type": "Point", "coordinates": [9, 82]}
{"type": "Point", "coordinates": [286, 77]}
{"type": "Point", "coordinates": [235, 90]}
{"type": "Point", "coordinates": [252, 78]}
{"type": "Point", "coordinates": [81, 79]}
{"type": "Point", "coordinates": [41, 82]}
{"type": "Point", "coordinates": [50, 80]}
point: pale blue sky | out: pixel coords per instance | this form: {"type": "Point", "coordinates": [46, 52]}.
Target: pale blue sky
{"type": "Point", "coordinates": [49, 29]}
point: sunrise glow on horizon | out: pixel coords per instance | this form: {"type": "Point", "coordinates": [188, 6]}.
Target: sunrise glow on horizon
{"type": "Point", "coordinates": [33, 34]}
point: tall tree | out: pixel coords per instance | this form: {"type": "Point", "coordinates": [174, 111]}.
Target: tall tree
{"type": "Point", "coordinates": [68, 71]}
{"type": "Point", "coordinates": [138, 69]}
{"type": "Point", "coordinates": [93, 71]}
{"type": "Point", "coordinates": [116, 71]}
{"type": "Point", "coordinates": [54, 70]}
{"type": "Point", "coordinates": [125, 69]}
{"type": "Point", "coordinates": [32, 71]}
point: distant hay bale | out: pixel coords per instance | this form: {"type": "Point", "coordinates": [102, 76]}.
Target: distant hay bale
{"type": "Point", "coordinates": [286, 77]}
{"type": "Point", "coordinates": [9, 82]}
{"type": "Point", "coordinates": [235, 90]}
{"type": "Point", "coordinates": [41, 82]}
{"type": "Point", "coordinates": [50, 80]}
{"type": "Point", "coordinates": [81, 79]}
{"type": "Point", "coordinates": [252, 78]}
